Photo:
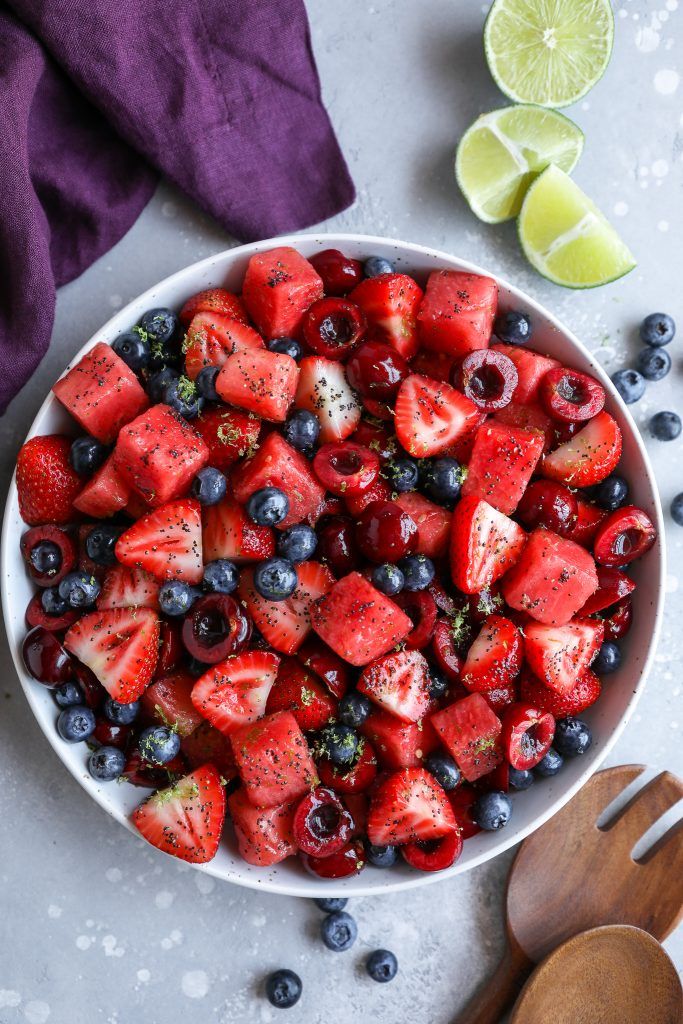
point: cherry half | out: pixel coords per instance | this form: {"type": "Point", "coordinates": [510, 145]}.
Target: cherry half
{"type": "Point", "coordinates": [348, 861]}
{"type": "Point", "coordinates": [170, 647]}
{"type": "Point", "coordinates": [462, 799]}
{"type": "Point", "coordinates": [337, 544]}
{"type": "Point", "coordinates": [346, 468]}
{"type": "Point", "coordinates": [612, 586]}
{"type": "Point", "coordinates": [487, 378]}
{"type": "Point", "coordinates": [339, 273]}
{"type": "Point", "coordinates": [625, 535]}
{"type": "Point", "coordinates": [322, 825]}
{"type": "Point", "coordinates": [420, 607]}
{"type": "Point", "coordinates": [215, 627]}
{"type": "Point", "coordinates": [433, 854]}
{"type": "Point", "coordinates": [526, 735]}
{"type": "Point", "coordinates": [45, 658]}
{"type": "Point", "coordinates": [385, 532]}
{"type": "Point", "coordinates": [571, 396]}
{"type": "Point", "coordinates": [445, 651]}
{"type": "Point", "coordinates": [327, 665]}
{"type": "Point", "coordinates": [354, 779]}
{"type": "Point", "coordinates": [545, 503]}
{"type": "Point", "coordinates": [376, 370]}
{"type": "Point", "coordinates": [619, 620]}
{"type": "Point", "coordinates": [37, 616]}
{"type": "Point", "coordinates": [333, 327]}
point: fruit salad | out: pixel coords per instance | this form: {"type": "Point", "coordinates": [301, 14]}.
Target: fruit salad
{"type": "Point", "coordinates": [340, 560]}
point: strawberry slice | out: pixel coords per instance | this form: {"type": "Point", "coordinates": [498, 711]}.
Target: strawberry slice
{"type": "Point", "coordinates": [104, 494]}
{"type": "Point", "coordinates": [279, 286]}
{"type": "Point", "coordinates": [273, 760]}
{"type": "Point", "coordinates": [399, 744]}
{"type": "Point", "coordinates": [390, 303]}
{"type": "Point", "coordinates": [399, 683]}
{"type": "Point", "coordinates": [559, 655]}
{"type": "Point", "coordinates": [213, 300]}
{"type": "Point", "coordinates": [470, 731]}
{"type": "Point", "coordinates": [186, 819]}
{"type": "Point", "coordinates": [128, 587]}
{"type": "Point", "coordinates": [587, 457]}
{"type": "Point", "coordinates": [531, 369]}
{"type": "Point", "coordinates": [211, 338]}
{"type": "Point", "coordinates": [47, 485]}
{"type": "Point", "coordinates": [495, 658]}
{"type": "Point", "coordinates": [166, 542]}
{"type": "Point", "coordinates": [286, 624]}
{"type": "Point", "coordinates": [324, 390]}
{"type": "Point", "coordinates": [484, 545]}
{"type": "Point", "coordinates": [259, 381]}
{"type": "Point", "coordinates": [264, 834]}
{"type": "Point", "coordinates": [457, 312]}
{"type": "Point", "coordinates": [228, 532]}
{"type": "Point", "coordinates": [299, 691]}
{"type": "Point", "coordinates": [584, 693]}
{"type": "Point", "coordinates": [120, 647]}
{"type": "Point", "coordinates": [234, 692]}
{"type": "Point", "coordinates": [431, 416]}
{"type": "Point", "coordinates": [168, 701]}
{"type": "Point", "coordinates": [502, 461]}
{"type": "Point", "coordinates": [552, 579]}
{"type": "Point", "coordinates": [408, 807]}
{"type": "Point", "coordinates": [229, 434]}
{"type": "Point", "coordinates": [277, 464]}
{"type": "Point", "coordinates": [433, 523]}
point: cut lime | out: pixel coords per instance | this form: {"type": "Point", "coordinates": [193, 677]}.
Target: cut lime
{"type": "Point", "coordinates": [503, 151]}
{"type": "Point", "coordinates": [549, 52]}
{"type": "Point", "coordinates": [566, 237]}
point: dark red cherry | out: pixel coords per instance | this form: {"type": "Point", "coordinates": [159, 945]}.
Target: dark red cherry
{"type": "Point", "coordinates": [321, 824]}
{"type": "Point", "coordinates": [376, 370]}
{"type": "Point", "coordinates": [446, 653]}
{"type": "Point", "coordinates": [377, 438]}
{"type": "Point", "coordinates": [571, 396]}
{"type": "Point", "coordinates": [433, 854]}
{"type": "Point", "coordinates": [139, 772]}
{"type": "Point", "coordinates": [215, 627]}
{"type": "Point", "coordinates": [170, 647]}
{"type": "Point", "coordinates": [339, 273]}
{"type": "Point", "coordinates": [63, 547]}
{"type": "Point", "coordinates": [321, 659]}
{"type": "Point", "coordinates": [333, 327]}
{"type": "Point", "coordinates": [462, 800]}
{"type": "Point", "coordinates": [348, 861]}
{"type": "Point", "coordinates": [37, 616]}
{"type": "Point", "coordinates": [354, 779]}
{"type": "Point", "coordinates": [613, 585]}
{"type": "Point", "coordinates": [498, 779]}
{"type": "Point", "coordinates": [625, 535]}
{"type": "Point", "coordinates": [487, 378]}
{"type": "Point", "coordinates": [109, 734]}
{"type": "Point", "coordinates": [527, 735]}
{"type": "Point", "coordinates": [346, 468]}
{"type": "Point", "coordinates": [420, 607]}
{"type": "Point", "coordinates": [93, 691]}
{"type": "Point", "coordinates": [385, 532]}
{"type": "Point", "coordinates": [45, 658]}
{"type": "Point", "coordinates": [620, 619]}
{"type": "Point", "coordinates": [545, 503]}
{"type": "Point", "coordinates": [337, 544]}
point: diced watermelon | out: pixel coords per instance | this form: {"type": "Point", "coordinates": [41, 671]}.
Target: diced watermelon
{"type": "Point", "coordinates": [264, 834]}
{"type": "Point", "coordinates": [470, 731]}
{"type": "Point", "coordinates": [168, 701]}
{"type": "Point", "coordinates": [431, 416]}
{"type": "Point", "coordinates": [551, 581]}
{"type": "Point", "coordinates": [324, 390]}
{"type": "Point", "coordinates": [104, 494]}
{"type": "Point", "coordinates": [503, 460]}
{"type": "Point", "coordinates": [206, 745]}
{"type": "Point", "coordinates": [229, 434]}
{"type": "Point", "coordinates": [457, 312]}
{"type": "Point", "coordinates": [433, 523]}
{"type": "Point", "coordinates": [286, 624]}
{"type": "Point", "coordinates": [211, 338]}
{"type": "Point", "coordinates": [399, 683]}
{"type": "Point", "coordinates": [277, 464]}
{"type": "Point", "coordinates": [273, 760]}
{"type": "Point", "coordinates": [531, 369]}
{"type": "Point", "coordinates": [559, 655]}
{"type": "Point", "coordinates": [528, 416]}
{"type": "Point", "coordinates": [390, 303]}
{"type": "Point", "coordinates": [278, 288]}
{"type": "Point", "coordinates": [234, 692]}
{"type": "Point", "coordinates": [259, 381]}
{"type": "Point", "coordinates": [399, 744]}
{"type": "Point", "coordinates": [228, 532]}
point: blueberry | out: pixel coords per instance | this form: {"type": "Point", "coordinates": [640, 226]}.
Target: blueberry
{"type": "Point", "coordinates": [572, 737]}
{"type": "Point", "coordinates": [302, 430]}
{"type": "Point", "coordinates": [275, 579]}
{"type": "Point", "coordinates": [354, 708]}
{"type": "Point", "coordinates": [121, 714]}
{"type": "Point", "coordinates": [339, 743]}
{"type": "Point", "coordinates": [158, 382]}
{"type": "Point", "coordinates": [607, 660]}
{"type": "Point", "coordinates": [611, 493]}
{"type": "Point", "coordinates": [52, 602]}
{"type": "Point", "coordinates": [101, 542]}
{"type": "Point", "coordinates": [298, 543]}
{"type": "Point", "coordinates": [492, 811]}
{"type": "Point", "coordinates": [382, 965]}
{"type": "Point", "coordinates": [418, 571]}
{"type": "Point", "coordinates": [106, 764]}
{"type": "Point", "coordinates": [209, 486]}
{"type": "Point", "coordinates": [183, 396]}
{"type": "Point", "coordinates": [442, 480]}
{"type": "Point", "coordinates": [513, 327]}
{"type": "Point", "coordinates": [132, 348]}
{"type": "Point", "coordinates": [176, 597]}
{"type": "Point", "coordinates": [283, 989]}
{"type": "Point", "coordinates": [206, 383]}
{"type": "Point", "coordinates": [46, 557]}
{"type": "Point", "coordinates": [381, 856]}
{"type": "Point", "coordinates": [330, 904]}
{"type": "Point", "coordinates": [162, 330]}
{"type": "Point", "coordinates": [221, 576]}
{"type": "Point", "coordinates": [520, 778]}
{"type": "Point", "coordinates": [630, 385]}
{"type": "Point", "coordinates": [68, 695]}
{"type": "Point", "coordinates": [665, 426]}
{"type": "Point", "coordinates": [388, 579]}
{"type": "Point", "coordinates": [550, 765]}
{"type": "Point", "coordinates": [79, 589]}
{"type": "Point", "coordinates": [444, 769]}
{"type": "Point", "coordinates": [339, 931]}
{"type": "Point", "coordinates": [403, 475]}
{"type": "Point", "coordinates": [657, 329]}
{"type": "Point", "coordinates": [158, 744]}
{"type": "Point", "coordinates": [76, 723]}
{"type": "Point", "coordinates": [654, 363]}
{"type": "Point", "coordinates": [268, 506]}
{"type": "Point", "coordinates": [86, 455]}
{"type": "Point", "coordinates": [677, 510]}
{"type": "Point", "coordinates": [438, 684]}
{"type": "Point", "coordinates": [286, 347]}
{"type": "Point", "coordinates": [376, 265]}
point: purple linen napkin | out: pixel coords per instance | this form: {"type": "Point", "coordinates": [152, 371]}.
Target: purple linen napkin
{"type": "Point", "coordinates": [96, 99]}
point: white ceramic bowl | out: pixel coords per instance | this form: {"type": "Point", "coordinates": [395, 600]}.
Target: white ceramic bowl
{"type": "Point", "coordinates": [621, 691]}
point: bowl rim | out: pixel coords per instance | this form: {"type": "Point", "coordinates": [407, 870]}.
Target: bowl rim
{"type": "Point", "coordinates": [354, 886]}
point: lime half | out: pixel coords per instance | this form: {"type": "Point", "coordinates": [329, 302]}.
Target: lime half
{"type": "Point", "coordinates": [549, 52]}
{"type": "Point", "coordinates": [566, 237]}
{"type": "Point", "coordinates": [503, 151]}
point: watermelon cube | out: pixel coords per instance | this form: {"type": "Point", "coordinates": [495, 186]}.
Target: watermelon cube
{"type": "Point", "coordinates": [278, 288]}
{"type": "Point", "coordinates": [531, 368]}
{"type": "Point", "coordinates": [273, 760]}
{"type": "Point", "coordinates": [399, 744]}
{"type": "Point", "coordinates": [264, 834]}
{"type": "Point", "coordinates": [552, 580]}
{"type": "Point", "coordinates": [277, 464]}
{"type": "Point", "coordinates": [206, 745]}
{"type": "Point", "coordinates": [502, 461]}
{"type": "Point", "coordinates": [433, 523]}
{"type": "Point", "coordinates": [259, 381]}
{"type": "Point", "coordinates": [168, 702]}
{"type": "Point", "coordinates": [470, 731]}
{"type": "Point", "coordinates": [105, 492]}
{"type": "Point", "coordinates": [457, 312]}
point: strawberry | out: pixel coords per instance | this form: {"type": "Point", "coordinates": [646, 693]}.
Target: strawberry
{"type": "Point", "coordinates": [228, 532]}
{"type": "Point", "coordinates": [433, 523]}
{"type": "Point", "coordinates": [552, 579]}
{"type": "Point", "coordinates": [399, 683]}
{"type": "Point", "coordinates": [529, 417]}
{"type": "Point", "coordinates": [470, 731]}
{"type": "Point", "coordinates": [431, 416]}
{"type": "Point", "coordinates": [559, 655]}
{"type": "Point", "coordinates": [484, 545]}
{"type": "Point", "coordinates": [206, 745]}
{"type": "Point", "coordinates": [186, 819]}
{"type": "Point", "coordinates": [168, 701]}
{"type": "Point", "coordinates": [234, 692]}
{"type": "Point", "coordinates": [278, 288]}
{"type": "Point", "coordinates": [299, 691]}
{"type": "Point", "coordinates": [213, 300]}
{"type": "Point", "coordinates": [358, 622]}
{"type": "Point", "coordinates": [259, 381]}
{"type": "Point", "coordinates": [273, 760]}
{"type": "Point", "coordinates": [286, 624]}
{"type": "Point", "coordinates": [264, 834]}
{"type": "Point", "coordinates": [128, 587]}
{"type": "Point", "coordinates": [531, 369]}
{"type": "Point", "coordinates": [166, 542]}
{"type": "Point", "coordinates": [390, 303]}
{"type": "Point", "coordinates": [588, 519]}
{"type": "Point", "coordinates": [46, 484]}
{"type": "Point", "coordinates": [104, 494]}
{"type": "Point", "coordinates": [408, 807]}
{"type": "Point", "coordinates": [495, 658]}
{"type": "Point", "coordinates": [585, 692]}
{"type": "Point", "coordinates": [120, 647]}
{"type": "Point", "coordinates": [399, 744]}
{"type": "Point", "coordinates": [587, 457]}
{"type": "Point", "coordinates": [324, 390]}
{"type": "Point", "coordinates": [502, 461]}
{"type": "Point", "coordinates": [457, 312]}
{"type": "Point", "coordinates": [229, 434]}
{"type": "Point", "coordinates": [277, 464]}
{"type": "Point", "coordinates": [211, 338]}
{"type": "Point", "coordinates": [461, 449]}
{"type": "Point", "coordinates": [102, 393]}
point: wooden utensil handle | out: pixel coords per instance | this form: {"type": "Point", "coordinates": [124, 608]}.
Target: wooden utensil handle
{"type": "Point", "coordinates": [499, 992]}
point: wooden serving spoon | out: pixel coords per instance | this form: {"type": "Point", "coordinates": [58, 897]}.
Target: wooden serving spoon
{"type": "Point", "coordinates": [612, 975]}
{"type": "Point", "coordinates": [570, 876]}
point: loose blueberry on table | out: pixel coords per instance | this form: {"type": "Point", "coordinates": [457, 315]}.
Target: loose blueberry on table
{"type": "Point", "coordinates": [339, 558]}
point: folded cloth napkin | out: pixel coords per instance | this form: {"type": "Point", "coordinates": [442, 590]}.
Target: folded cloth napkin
{"type": "Point", "coordinates": [99, 97]}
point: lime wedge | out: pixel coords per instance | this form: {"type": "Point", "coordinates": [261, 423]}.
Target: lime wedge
{"type": "Point", "coordinates": [503, 151]}
{"type": "Point", "coordinates": [549, 52]}
{"type": "Point", "coordinates": [566, 237]}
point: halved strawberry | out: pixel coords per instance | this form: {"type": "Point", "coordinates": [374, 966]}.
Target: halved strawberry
{"type": "Point", "coordinates": [168, 701]}
{"type": "Point", "coordinates": [484, 545]}
{"type": "Point", "coordinates": [264, 834]}
{"type": "Point", "coordinates": [433, 523]}
{"type": "Point", "coordinates": [186, 819]}
{"type": "Point", "coordinates": [559, 655]}
{"type": "Point", "coordinates": [390, 303]}
{"type": "Point", "coordinates": [259, 381]}
{"type": "Point", "coordinates": [552, 579]}
{"type": "Point", "coordinates": [399, 744]}
{"type": "Point", "coordinates": [206, 745]}
{"type": "Point", "coordinates": [46, 483]}
{"type": "Point", "coordinates": [324, 390]}
{"type": "Point", "coordinates": [531, 369]}
{"type": "Point", "coordinates": [279, 286]}
{"type": "Point", "coordinates": [502, 462]}
{"type": "Point", "coordinates": [495, 658]}
{"type": "Point", "coordinates": [399, 683]}
{"type": "Point", "coordinates": [273, 760]}
{"type": "Point", "coordinates": [166, 542]}
{"type": "Point", "coordinates": [431, 415]}
{"type": "Point", "coordinates": [211, 338]}
{"type": "Point", "coordinates": [357, 621]}
{"type": "Point", "coordinates": [277, 464]}
{"type": "Point", "coordinates": [299, 691]}
{"type": "Point", "coordinates": [408, 807]}
{"type": "Point", "coordinates": [286, 624]}
{"type": "Point", "coordinates": [587, 457]}
{"type": "Point", "coordinates": [588, 519]}
{"type": "Point", "coordinates": [457, 312]}
{"type": "Point", "coordinates": [462, 448]}
{"type": "Point", "coordinates": [105, 492]}
{"type": "Point", "coordinates": [128, 587]}
{"type": "Point", "coordinates": [213, 300]}
{"type": "Point", "coordinates": [228, 532]}
{"type": "Point", "coordinates": [229, 434]}
{"type": "Point", "coordinates": [584, 693]}
{"type": "Point", "coordinates": [234, 692]}
{"type": "Point", "coordinates": [120, 647]}
{"type": "Point", "coordinates": [470, 731]}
